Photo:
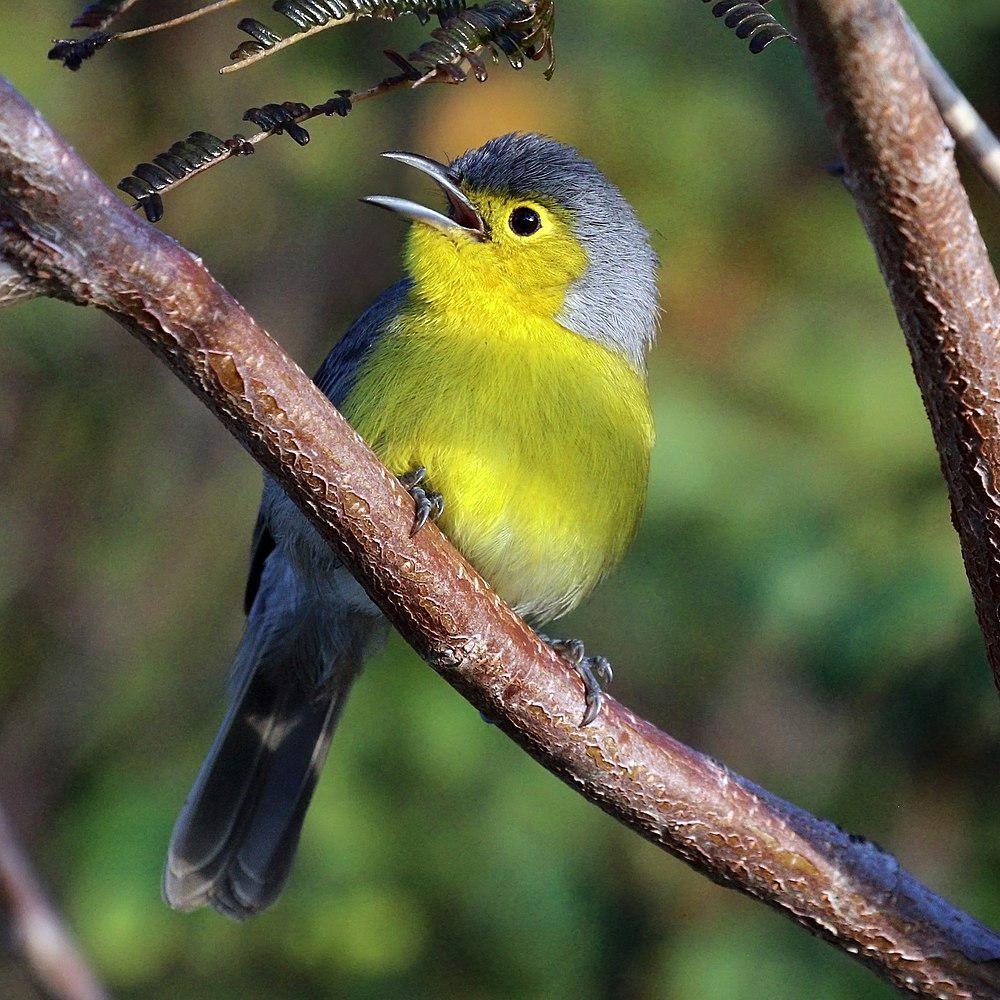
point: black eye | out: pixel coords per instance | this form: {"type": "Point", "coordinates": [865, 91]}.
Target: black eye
{"type": "Point", "coordinates": [524, 221]}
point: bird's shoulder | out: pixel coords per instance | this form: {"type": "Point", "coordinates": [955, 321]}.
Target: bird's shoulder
{"type": "Point", "coordinates": [336, 375]}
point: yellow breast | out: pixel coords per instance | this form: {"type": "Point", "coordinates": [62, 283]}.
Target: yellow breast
{"type": "Point", "coordinates": [538, 439]}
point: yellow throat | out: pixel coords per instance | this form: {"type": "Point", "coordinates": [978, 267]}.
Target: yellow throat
{"type": "Point", "coordinates": [537, 437]}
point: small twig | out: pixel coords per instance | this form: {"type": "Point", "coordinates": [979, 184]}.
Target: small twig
{"type": "Point", "coordinates": [967, 126]}
{"type": "Point", "coordinates": [35, 934]}
{"type": "Point", "coordinates": [149, 29]}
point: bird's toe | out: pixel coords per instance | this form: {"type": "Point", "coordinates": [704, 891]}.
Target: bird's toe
{"type": "Point", "coordinates": [594, 671]}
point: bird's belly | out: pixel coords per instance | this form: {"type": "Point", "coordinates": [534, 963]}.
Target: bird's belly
{"type": "Point", "coordinates": [542, 542]}
{"type": "Point", "coordinates": [542, 460]}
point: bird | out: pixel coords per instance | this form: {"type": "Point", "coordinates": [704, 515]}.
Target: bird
{"type": "Point", "coordinates": [503, 380]}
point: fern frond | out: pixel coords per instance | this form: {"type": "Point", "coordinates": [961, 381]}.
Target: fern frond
{"type": "Point", "coordinates": [508, 29]}
{"type": "Point", "coordinates": [311, 17]}
{"type": "Point", "coordinates": [752, 21]}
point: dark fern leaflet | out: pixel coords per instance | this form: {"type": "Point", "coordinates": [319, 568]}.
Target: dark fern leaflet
{"type": "Point", "coordinates": [72, 52]}
{"type": "Point", "coordinates": [752, 21]}
{"type": "Point", "coordinates": [307, 13]}
{"type": "Point", "coordinates": [198, 151]}
{"type": "Point", "coordinates": [278, 118]}
{"type": "Point", "coordinates": [275, 119]}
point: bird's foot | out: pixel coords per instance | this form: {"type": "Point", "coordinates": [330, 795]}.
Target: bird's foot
{"type": "Point", "coordinates": [429, 505]}
{"type": "Point", "coordinates": [594, 671]}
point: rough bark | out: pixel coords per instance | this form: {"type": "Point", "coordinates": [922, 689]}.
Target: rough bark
{"type": "Point", "coordinates": [76, 240]}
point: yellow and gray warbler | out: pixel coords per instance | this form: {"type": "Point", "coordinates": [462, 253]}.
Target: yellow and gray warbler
{"type": "Point", "coordinates": [503, 379]}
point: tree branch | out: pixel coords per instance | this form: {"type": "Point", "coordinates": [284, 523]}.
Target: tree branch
{"type": "Point", "coordinates": [964, 122]}
{"type": "Point", "coordinates": [901, 170]}
{"type": "Point", "coordinates": [64, 228]}
{"type": "Point", "coordinates": [34, 932]}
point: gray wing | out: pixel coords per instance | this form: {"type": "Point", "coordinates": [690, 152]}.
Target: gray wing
{"type": "Point", "coordinates": [335, 379]}
{"type": "Point", "coordinates": [336, 375]}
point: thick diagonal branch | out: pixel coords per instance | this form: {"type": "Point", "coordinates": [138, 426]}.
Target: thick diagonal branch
{"type": "Point", "coordinates": [60, 225]}
{"type": "Point", "coordinates": [901, 170]}
{"type": "Point", "coordinates": [34, 932]}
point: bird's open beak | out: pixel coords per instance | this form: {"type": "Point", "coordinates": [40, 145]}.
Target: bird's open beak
{"type": "Point", "coordinates": [464, 218]}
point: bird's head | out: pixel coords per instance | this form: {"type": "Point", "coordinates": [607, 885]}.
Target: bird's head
{"type": "Point", "coordinates": [534, 229]}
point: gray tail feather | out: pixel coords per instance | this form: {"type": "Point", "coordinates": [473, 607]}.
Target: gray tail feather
{"type": "Point", "coordinates": [235, 839]}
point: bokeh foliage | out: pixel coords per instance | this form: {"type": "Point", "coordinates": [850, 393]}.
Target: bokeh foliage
{"type": "Point", "coordinates": [795, 603]}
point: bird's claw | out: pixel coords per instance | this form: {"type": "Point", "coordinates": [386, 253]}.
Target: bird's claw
{"type": "Point", "coordinates": [429, 505]}
{"type": "Point", "coordinates": [594, 671]}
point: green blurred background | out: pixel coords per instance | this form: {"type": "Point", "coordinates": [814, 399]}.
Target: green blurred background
{"type": "Point", "coordinates": [795, 603]}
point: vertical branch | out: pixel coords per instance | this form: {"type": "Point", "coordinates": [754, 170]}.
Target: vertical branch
{"type": "Point", "coordinates": [34, 932]}
{"type": "Point", "coordinates": [900, 167]}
